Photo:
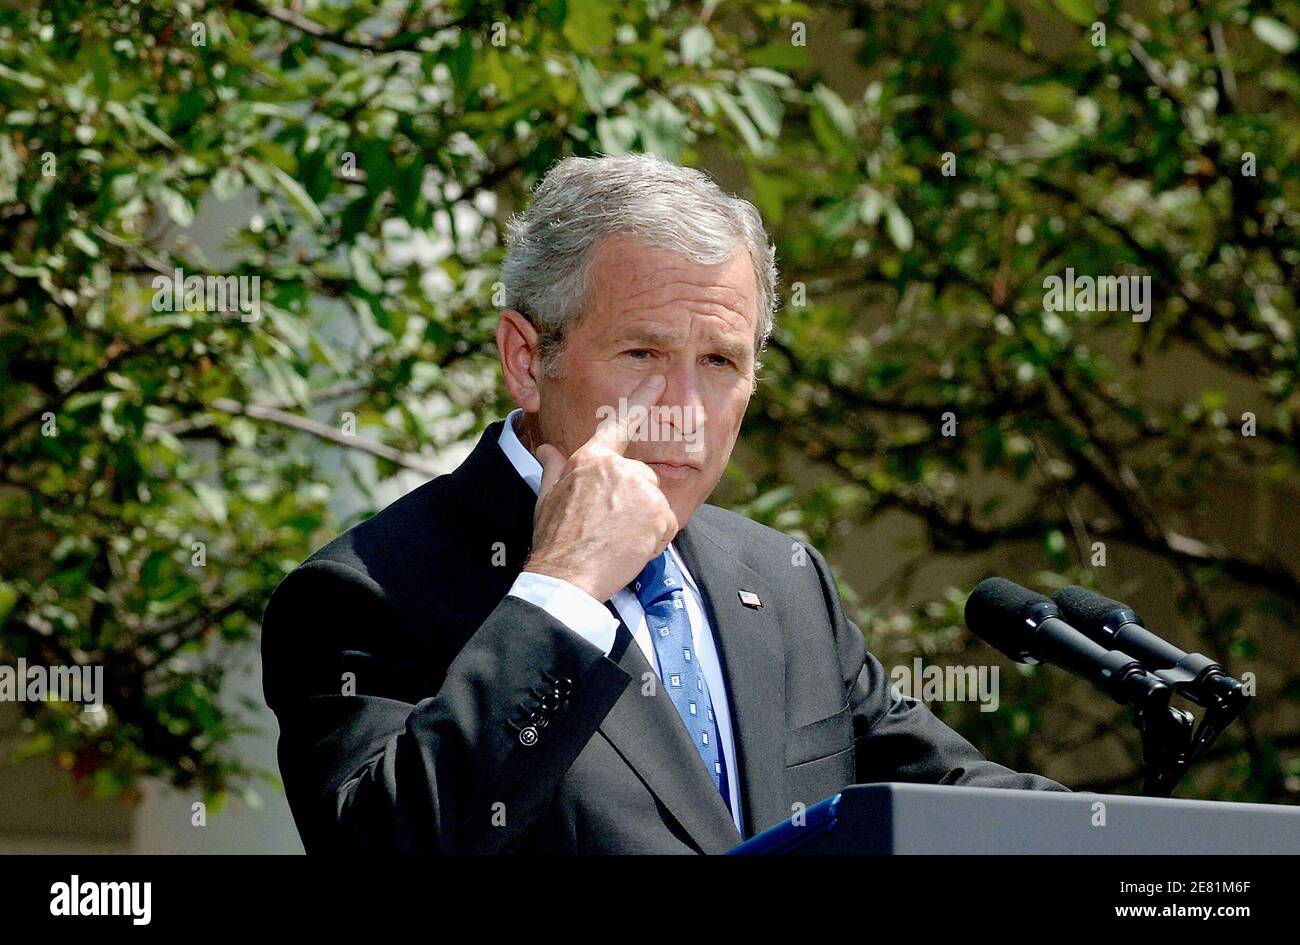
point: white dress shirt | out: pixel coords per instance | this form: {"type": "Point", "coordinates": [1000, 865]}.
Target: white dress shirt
{"type": "Point", "coordinates": [590, 619]}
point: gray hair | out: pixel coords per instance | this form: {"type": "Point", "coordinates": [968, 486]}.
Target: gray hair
{"type": "Point", "coordinates": [581, 201]}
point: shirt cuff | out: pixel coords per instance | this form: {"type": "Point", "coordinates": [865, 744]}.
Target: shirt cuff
{"type": "Point", "coordinates": [570, 605]}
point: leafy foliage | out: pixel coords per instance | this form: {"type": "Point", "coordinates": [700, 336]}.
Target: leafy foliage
{"type": "Point", "coordinates": [368, 154]}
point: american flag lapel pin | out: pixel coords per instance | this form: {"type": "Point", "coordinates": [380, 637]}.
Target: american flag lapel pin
{"type": "Point", "coordinates": [750, 599]}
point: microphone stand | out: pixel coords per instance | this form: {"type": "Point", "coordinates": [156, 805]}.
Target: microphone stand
{"type": "Point", "coordinates": [1166, 731]}
{"type": "Point", "coordinates": [1166, 734]}
{"type": "Point", "coordinates": [1169, 748]}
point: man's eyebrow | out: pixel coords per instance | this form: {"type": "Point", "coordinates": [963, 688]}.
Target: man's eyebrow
{"type": "Point", "coordinates": [738, 351]}
{"type": "Point", "coordinates": [646, 334]}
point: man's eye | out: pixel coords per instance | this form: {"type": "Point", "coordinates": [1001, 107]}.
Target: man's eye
{"type": "Point", "coordinates": [638, 352]}
{"type": "Point", "coordinates": [719, 360]}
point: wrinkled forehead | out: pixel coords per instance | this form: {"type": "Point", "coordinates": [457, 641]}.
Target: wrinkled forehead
{"type": "Point", "coordinates": [645, 286]}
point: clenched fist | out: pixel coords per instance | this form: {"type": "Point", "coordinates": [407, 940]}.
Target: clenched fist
{"type": "Point", "coordinates": [601, 516]}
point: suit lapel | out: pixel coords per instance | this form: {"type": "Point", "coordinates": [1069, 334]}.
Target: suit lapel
{"type": "Point", "coordinates": [646, 730]}
{"type": "Point", "coordinates": [495, 515]}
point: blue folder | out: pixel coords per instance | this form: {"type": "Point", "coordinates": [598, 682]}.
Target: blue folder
{"type": "Point", "coordinates": [787, 835]}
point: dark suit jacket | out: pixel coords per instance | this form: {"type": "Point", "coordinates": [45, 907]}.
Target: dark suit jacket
{"type": "Point", "coordinates": [421, 708]}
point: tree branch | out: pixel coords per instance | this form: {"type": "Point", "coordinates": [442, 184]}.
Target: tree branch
{"type": "Point", "coordinates": [310, 27]}
{"type": "Point", "coordinates": [326, 432]}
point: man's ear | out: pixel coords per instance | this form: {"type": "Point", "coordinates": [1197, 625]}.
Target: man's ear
{"type": "Point", "coordinates": [520, 352]}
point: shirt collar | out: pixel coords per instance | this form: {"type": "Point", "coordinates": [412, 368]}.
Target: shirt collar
{"type": "Point", "coordinates": [530, 470]}
{"type": "Point", "coordinates": [525, 463]}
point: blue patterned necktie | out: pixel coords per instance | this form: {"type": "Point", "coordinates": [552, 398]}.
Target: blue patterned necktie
{"type": "Point", "coordinates": [661, 590]}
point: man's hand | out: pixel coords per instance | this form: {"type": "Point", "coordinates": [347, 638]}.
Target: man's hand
{"type": "Point", "coordinates": [601, 516]}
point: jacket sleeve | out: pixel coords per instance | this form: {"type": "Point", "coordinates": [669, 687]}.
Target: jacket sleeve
{"type": "Point", "coordinates": [898, 738]}
{"type": "Point", "coordinates": [373, 760]}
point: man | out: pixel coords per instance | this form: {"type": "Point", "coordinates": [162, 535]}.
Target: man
{"type": "Point", "coordinates": [558, 647]}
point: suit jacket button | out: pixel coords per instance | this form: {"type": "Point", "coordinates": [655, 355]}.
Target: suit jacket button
{"type": "Point", "coordinates": [528, 736]}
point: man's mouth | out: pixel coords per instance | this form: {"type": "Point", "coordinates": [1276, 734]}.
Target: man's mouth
{"type": "Point", "coordinates": [667, 469]}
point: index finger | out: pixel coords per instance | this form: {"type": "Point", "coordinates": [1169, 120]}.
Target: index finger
{"type": "Point", "coordinates": [613, 431]}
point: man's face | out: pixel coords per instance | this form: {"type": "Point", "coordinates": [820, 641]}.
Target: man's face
{"type": "Point", "coordinates": [655, 312]}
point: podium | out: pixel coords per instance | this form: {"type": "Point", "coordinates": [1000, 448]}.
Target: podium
{"type": "Point", "coordinates": [932, 818]}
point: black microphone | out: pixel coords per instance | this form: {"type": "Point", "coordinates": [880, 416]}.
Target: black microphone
{"type": "Point", "coordinates": [1116, 626]}
{"type": "Point", "coordinates": [1028, 628]}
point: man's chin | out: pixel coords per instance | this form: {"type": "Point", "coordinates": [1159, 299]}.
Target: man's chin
{"type": "Point", "coordinates": [683, 507]}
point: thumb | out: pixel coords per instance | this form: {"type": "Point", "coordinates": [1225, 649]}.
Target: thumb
{"type": "Point", "coordinates": [553, 463]}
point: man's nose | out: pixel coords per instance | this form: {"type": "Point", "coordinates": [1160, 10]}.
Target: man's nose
{"type": "Point", "coordinates": [682, 389]}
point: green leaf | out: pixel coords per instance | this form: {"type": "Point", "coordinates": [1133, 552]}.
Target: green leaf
{"type": "Point", "coordinates": [1054, 546]}
{"type": "Point", "coordinates": [25, 79]}
{"type": "Point", "coordinates": [764, 107]}
{"type": "Point", "coordinates": [873, 204]}
{"type": "Point", "coordinates": [616, 134]}
{"type": "Point", "coordinates": [603, 93]}
{"type": "Point", "coordinates": [8, 597]}
{"type": "Point", "coordinates": [704, 98]}
{"type": "Point", "coordinates": [738, 118]}
{"type": "Point", "coordinates": [258, 173]}
{"type": "Point", "coordinates": [899, 227]}
{"type": "Point", "coordinates": [697, 44]}
{"type": "Point", "coordinates": [177, 207]}
{"type": "Point", "coordinates": [355, 217]}
{"type": "Point", "coordinates": [1275, 33]}
{"type": "Point", "coordinates": [770, 76]}
{"type": "Point", "coordinates": [84, 243]}
{"type": "Point", "coordinates": [833, 121]}
{"type": "Point", "coordinates": [838, 219]}
{"type": "Point", "coordinates": [226, 183]}
{"type": "Point", "coordinates": [771, 192]}
{"type": "Point", "coordinates": [589, 25]}
{"type": "Point", "coordinates": [1081, 11]}
{"type": "Point", "coordinates": [133, 119]}
{"type": "Point", "coordinates": [460, 62]}
{"type": "Point", "coordinates": [213, 500]}
{"type": "Point", "coordinates": [298, 197]}
{"type": "Point", "coordinates": [363, 270]}
{"type": "Point", "coordinates": [663, 129]}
